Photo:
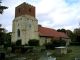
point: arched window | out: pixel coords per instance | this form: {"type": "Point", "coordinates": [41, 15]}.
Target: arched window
{"type": "Point", "coordinates": [18, 33]}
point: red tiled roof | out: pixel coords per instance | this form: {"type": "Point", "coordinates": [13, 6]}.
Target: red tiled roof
{"type": "Point", "coordinates": [48, 32]}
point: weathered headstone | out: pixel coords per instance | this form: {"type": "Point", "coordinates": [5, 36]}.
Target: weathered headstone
{"type": "Point", "coordinates": [60, 50]}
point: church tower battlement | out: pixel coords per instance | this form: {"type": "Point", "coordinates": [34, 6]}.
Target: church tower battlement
{"type": "Point", "coordinates": [24, 9]}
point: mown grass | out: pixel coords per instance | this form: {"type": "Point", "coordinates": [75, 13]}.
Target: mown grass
{"type": "Point", "coordinates": [71, 55]}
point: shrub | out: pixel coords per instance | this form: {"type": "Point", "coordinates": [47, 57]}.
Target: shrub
{"type": "Point", "coordinates": [49, 46]}
{"type": "Point", "coordinates": [55, 43]}
{"type": "Point", "coordinates": [75, 43]}
{"type": "Point", "coordinates": [18, 42]}
{"type": "Point", "coordinates": [33, 42]}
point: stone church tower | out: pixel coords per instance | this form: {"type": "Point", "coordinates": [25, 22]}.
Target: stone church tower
{"type": "Point", "coordinates": [25, 25]}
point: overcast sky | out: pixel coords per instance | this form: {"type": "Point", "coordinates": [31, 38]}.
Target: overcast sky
{"type": "Point", "coordinates": [54, 14]}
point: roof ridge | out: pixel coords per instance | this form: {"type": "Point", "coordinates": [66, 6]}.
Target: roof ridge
{"type": "Point", "coordinates": [47, 28]}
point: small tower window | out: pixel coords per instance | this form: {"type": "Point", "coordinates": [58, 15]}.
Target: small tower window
{"type": "Point", "coordinates": [18, 33]}
{"type": "Point", "coordinates": [29, 9]}
{"type": "Point", "coordinates": [19, 10]}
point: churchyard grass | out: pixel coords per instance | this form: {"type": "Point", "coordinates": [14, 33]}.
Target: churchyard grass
{"type": "Point", "coordinates": [74, 53]}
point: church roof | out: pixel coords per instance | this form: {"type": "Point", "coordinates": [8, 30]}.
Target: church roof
{"type": "Point", "coordinates": [48, 32]}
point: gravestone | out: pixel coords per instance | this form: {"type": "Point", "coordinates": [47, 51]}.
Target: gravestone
{"type": "Point", "coordinates": [60, 50]}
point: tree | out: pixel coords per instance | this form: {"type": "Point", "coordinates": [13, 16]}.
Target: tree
{"type": "Point", "coordinates": [77, 34]}
{"type": "Point", "coordinates": [7, 41]}
{"type": "Point", "coordinates": [71, 35]}
{"type": "Point", "coordinates": [2, 35]}
{"type": "Point", "coordinates": [5, 38]}
{"type": "Point", "coordinates": [61, 30]}
{"type": "Point", "coordinates": [2, 8]}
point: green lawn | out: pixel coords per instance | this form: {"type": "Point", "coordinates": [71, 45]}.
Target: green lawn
{"type": "Point", "coordinates": [70, 56]}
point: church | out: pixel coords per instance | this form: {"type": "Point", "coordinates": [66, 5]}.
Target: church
{"type": "Point", "coordinates": [25, 27]}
